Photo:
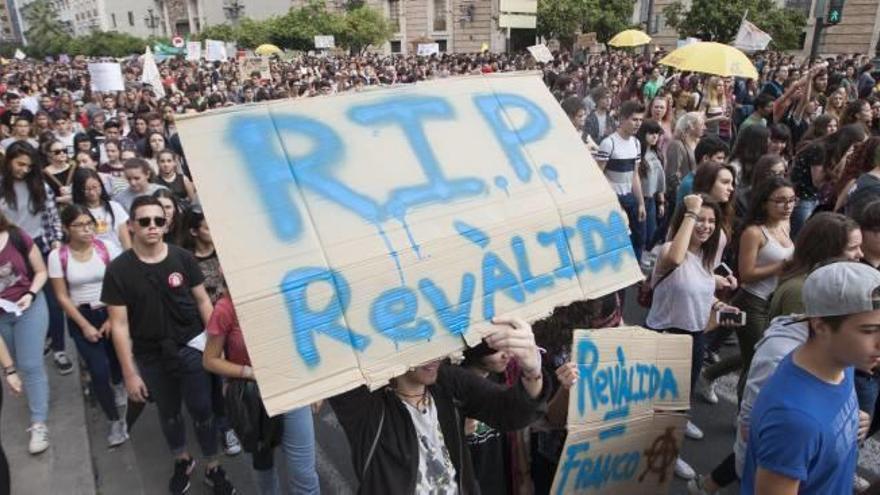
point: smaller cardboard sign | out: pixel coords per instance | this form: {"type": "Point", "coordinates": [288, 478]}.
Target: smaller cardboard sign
{"type": "Point", "coordinates": [215, 50]}
{"type": "Point", "coordinates": [19, 55]}
{"type": "Point", "coordinates": [428, 49]}
{"type": "Point", "coordinates": [106, 76]}
{"type": "Point", "coordinates": [194, 50]}
{"type": "Point", "coordinates": [626, 410]}
{"type": "Point", "coordinates": [541, 53]}
{"type": "Point", "coordinates": [249, 65]}
{"type": "Point", "coordinates": [325, 42]}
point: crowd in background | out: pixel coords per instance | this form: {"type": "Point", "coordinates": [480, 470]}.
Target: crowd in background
{"type": "Point", "coordinates": [735, 190]}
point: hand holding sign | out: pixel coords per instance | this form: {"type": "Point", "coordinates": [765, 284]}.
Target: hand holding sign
{"type": "Point", "coordinates": [514, 336]}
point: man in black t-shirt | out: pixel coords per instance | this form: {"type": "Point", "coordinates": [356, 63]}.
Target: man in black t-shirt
{"type": "Point", "coordinates": [14, 111]}
{"type": "Point", "coordinates": [158, 308]}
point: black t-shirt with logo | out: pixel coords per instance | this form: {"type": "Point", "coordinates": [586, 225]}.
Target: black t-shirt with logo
{"type": "Point", "coordinates": [158, 297]}
{"type": "Point", "coordinates": [8, 118]}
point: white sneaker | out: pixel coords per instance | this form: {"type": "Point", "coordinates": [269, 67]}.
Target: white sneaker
{"type": "Point", "coordinates": [231, 445]}
{"type": "Point", "coordinates": [683, 470]}
{"type": "Point", "coordinates": [691, 431]}
{"type": "Point", "coordinates": [118, 433]}
{"type": "Point", "coordinates": [120, 395]}
{"type": "Point", "coordinates": [706, 390]}
{"type": "Point", "coordinates": [39, 438]}
{"type": "Point", "coordinates": [860, 484]}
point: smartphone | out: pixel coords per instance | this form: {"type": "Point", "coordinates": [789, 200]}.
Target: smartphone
{"type": "Point", "coordinates": [724, 270]}
{"type": "Point", "coordinates": [732, 318]}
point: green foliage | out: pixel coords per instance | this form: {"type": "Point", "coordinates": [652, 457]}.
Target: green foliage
{"type": "Point", "coordinates": [357, 28]}
{"type": "Point", "coordinates": [561, 19]}
{"type": "Point", "coordinates": [711, 20]}
{"type": "Point", "coordinates": [45, 32]}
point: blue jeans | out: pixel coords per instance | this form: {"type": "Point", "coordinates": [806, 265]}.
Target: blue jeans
{"type": "Point", "coordinates": [651, 223]}
{"type": "Point", "coordinates": [867, 391]}
{"type": "Point", "coordinates": [631, 207]}
{"type": "Point", "coordinates": [298, 445]}
{"type": "Point", "coordinates": [190, 383]}
{"type": "Point", "coordinates": [100, 358]}
{"type": "Point", "coordinates": [24, 336]}
{"type": "Point", "coordinates": [56, 314]}
{"type": "Point", "coordinates": [802, 212]}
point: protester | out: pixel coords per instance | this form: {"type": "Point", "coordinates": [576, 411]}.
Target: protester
{"type": "Point", "coordinates": [653, 178]}
{"type": "Point", "coordinates": [14, 383]}
{"type": "Point", "coordinates": [139, 174]}
{"type": "Point", "coordinates": [807, 442]}
{"type": "Point", "coordinates": [76, 271]}
{"type": "Point", "coordinates": [111, 220]}
{"type": "Point", "coordinates": [157, 305]}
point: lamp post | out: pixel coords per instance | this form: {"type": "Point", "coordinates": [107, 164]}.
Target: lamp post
{"type": "Point", "coordinates": [233, 10]}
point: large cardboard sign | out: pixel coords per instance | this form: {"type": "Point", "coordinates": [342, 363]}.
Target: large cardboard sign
{"type": "Point", "coordinates": [106, 76]}
{"type": "Point", "coordinates": [365, 233]}
{"type": "Point", "coordinates": [626, 412]}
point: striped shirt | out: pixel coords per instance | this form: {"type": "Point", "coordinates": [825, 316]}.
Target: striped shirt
{"type": "Point", "coordinates": [622, 156]}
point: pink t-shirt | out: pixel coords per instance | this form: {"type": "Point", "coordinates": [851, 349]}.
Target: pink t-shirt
{"type": "Point", "coordinates": [224, 322]}
{"type": "Point", "coordinates": [14, 279]}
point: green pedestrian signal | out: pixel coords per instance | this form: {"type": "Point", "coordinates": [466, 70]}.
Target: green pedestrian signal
{"type": "Point", "coordinates": [835, 11]}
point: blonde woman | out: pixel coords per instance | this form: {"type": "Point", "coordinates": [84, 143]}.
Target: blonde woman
{"type": "Point", "coordinates": [716, 108]}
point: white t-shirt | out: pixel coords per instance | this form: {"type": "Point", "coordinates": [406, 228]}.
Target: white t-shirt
{"type": "Point", "coordinates": [436, 473]}
{"type": "Point", "coordinates": [622, 157]}
{"type": "Point", "coordinates": [107, 227]}
{"type": "Point", "coordinates": [84, 279]}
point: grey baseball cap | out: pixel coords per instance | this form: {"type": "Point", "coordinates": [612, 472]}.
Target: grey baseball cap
{"type": "Point", "coordinates": [841, 288]}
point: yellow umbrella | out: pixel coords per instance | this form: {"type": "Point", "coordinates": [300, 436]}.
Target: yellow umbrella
{"type": "Point", "coordinates": [630, 37]}
{"type": "Point", "coordinates": [267, 49]}
{"type": "Point", "coordinates": [711, 58]}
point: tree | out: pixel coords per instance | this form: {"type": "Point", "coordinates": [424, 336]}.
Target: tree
{"type": "Point", "coordinates": [364, 27]}
{"type": "Point", "coordinates": [561, 19]}
{"type": "Point", "coordinates": [45, 32]}
{"type": "Point", "coordinates": [711, 20]}
{"type": "Point", "coordinates": [607, 18]}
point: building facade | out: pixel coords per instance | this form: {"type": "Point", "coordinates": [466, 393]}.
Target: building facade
{"type": "Point", "coordinates": [857, 33]}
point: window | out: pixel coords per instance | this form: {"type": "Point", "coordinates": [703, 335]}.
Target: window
{"type": "Point", "coordinates": [439, 15]}
{"type": "Point", "coordinates": [395, 46]}
{"type": "Point", "coordinates": [130, 18]}
{"type": "Point", "coordinates": [394, 14]}
{"type": "Point", "coordinates": [442, 45]}
{"type": "Point", "coordinates": [113, 20]}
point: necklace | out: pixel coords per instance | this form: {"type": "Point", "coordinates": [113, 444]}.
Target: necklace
{"type": "Point", "coordinates": [421, 404]}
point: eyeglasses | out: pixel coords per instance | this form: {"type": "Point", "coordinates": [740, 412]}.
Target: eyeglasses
{"type": "Point", "coordinates": [58, 152]}
{"type": "Point", "coordinates": [157, 221]}
{"type": "Point", "coordinates": [83, 225]}
{"type": "Point", "coordinates": [783, 202]}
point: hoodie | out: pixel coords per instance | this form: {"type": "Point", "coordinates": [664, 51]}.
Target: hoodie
{"type": "Point", "coordinates": [785, 334]}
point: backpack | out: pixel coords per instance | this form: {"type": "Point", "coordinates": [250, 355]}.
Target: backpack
{"type": "Point", "coordinates": [100, 249]}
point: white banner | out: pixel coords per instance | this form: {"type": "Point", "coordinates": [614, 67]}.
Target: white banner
{"type": "Point", "coordinates": [194, 50]}
{"type": "Point", "coordinates": [151, 74]}
{"type": "Point", "coordinates": [541, 53]}
{"type": "Point", "coordinates": [325, 42]}
{"type": "Point", "coordinates": [750, 38]}
{"type": "Point", "coordinates": [106, 76]}
{"type": "Point", "coordinates": [215, 50]}
{"type": "Point", "coordinates": [428, 49]}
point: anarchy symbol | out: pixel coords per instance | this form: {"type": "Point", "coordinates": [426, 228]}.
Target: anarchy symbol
{"type": "Point", "coordinates": [662, 453]}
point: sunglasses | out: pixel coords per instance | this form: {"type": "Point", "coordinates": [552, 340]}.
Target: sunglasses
{"type": "Point", "coordinates": [157, 221]}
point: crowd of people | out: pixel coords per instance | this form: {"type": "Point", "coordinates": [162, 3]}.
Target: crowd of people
{"type": "Point", "coordinates": [753, 206]}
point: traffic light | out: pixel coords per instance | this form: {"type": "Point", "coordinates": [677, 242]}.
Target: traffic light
{"type": "Point", "coordinates": [835, 11]}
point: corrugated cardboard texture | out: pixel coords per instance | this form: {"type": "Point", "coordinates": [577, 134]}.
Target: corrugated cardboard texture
{"type": "Point", "coordinates": [365, 233]}
{"type": "Point", "coordinates": [639, 463]}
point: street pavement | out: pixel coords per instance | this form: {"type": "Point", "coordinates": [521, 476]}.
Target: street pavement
{"type": "Point", "coordinates": [79, 462]}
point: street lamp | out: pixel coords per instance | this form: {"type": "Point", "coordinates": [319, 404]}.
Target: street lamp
{"type": "Point", "coordinates": [151, 20]}
{"type": "Point", "coordinates": [233, 10]}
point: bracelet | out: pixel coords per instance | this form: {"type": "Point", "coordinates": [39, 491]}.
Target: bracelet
{"type": "Point", "coordinates": [716, 304]}
{"type": "Point", "coordinates": [10, 370]}
{"type": "Point", "coordinates": [32, 294]}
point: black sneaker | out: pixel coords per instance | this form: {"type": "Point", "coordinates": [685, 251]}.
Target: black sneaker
{"type": "Point", "coordinates": [179, 483]}
{"type": "Point", "coordinates": [216, 478]}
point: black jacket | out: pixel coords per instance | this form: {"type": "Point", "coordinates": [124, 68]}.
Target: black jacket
{"type": "Point", "coordinates": [458, 394]}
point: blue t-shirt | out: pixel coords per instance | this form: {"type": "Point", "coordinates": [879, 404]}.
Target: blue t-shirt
{"type": "Point", "coordinates": [805, 429]}
{"type": "Point", "coordinates": [684, 188]}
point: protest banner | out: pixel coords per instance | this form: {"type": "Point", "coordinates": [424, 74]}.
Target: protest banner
{"type": "Point", "coordinates": [541, 53]}
{"type": "Point", "coordinates": [428, 49]}
{"type": "Point", "coordinates": [106, 76]}
{"type": "Point", "coordinates": [193, 50]}
{"type": "Point", "coordinates": [19, 55]}
{"type": "Point", "coordinates": [365, 233]}
{"type": "Point", "coordinates": [215, 51]}
{"type": "Point", "coordinates": [626, 412]}
{"type": "Point", "coordinates": [586, 41]}
{"type": "Point", "coordinates": [151, 74]}
{"type": "Point", "coordinates": [325, 42]}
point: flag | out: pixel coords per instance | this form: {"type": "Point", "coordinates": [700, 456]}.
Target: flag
{"type": "Point", "coordinates": [484, 48]}
{"type": "Point", "coordinates": [20, 54]}
{"type": "Point", "coordinates": [151, 74]}
{"type": "Point", "coordinates": [750, 38]}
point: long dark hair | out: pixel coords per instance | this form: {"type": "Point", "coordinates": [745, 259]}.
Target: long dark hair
{"type": "Point", "coordinates": [837, 144]}
{"type": "Point", "coordinates": [757, 212]}
{"type": "Point", "coordinates": [33, 180]}
{"type": "Point", "coordinates": [751, 144]}
{"type": "Point", "coordinates": [192, 219]}
{"type": "Point", "coordinates": [710, 247]}
{"type": "Point", "coordinates": [70, 213]}
{"type": "Point", "coordinates": [648, 127]}
{"type": "Point", "coordinates": [704, 180]}
{"type": "Point", "coordinates": [823, 237]}
{"type": "Point", "coordinates": [148, 150]}
{"type": "Point", "coordinates": [79, 190]}
{"type": "Point", "coordinates": [173, 234]}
